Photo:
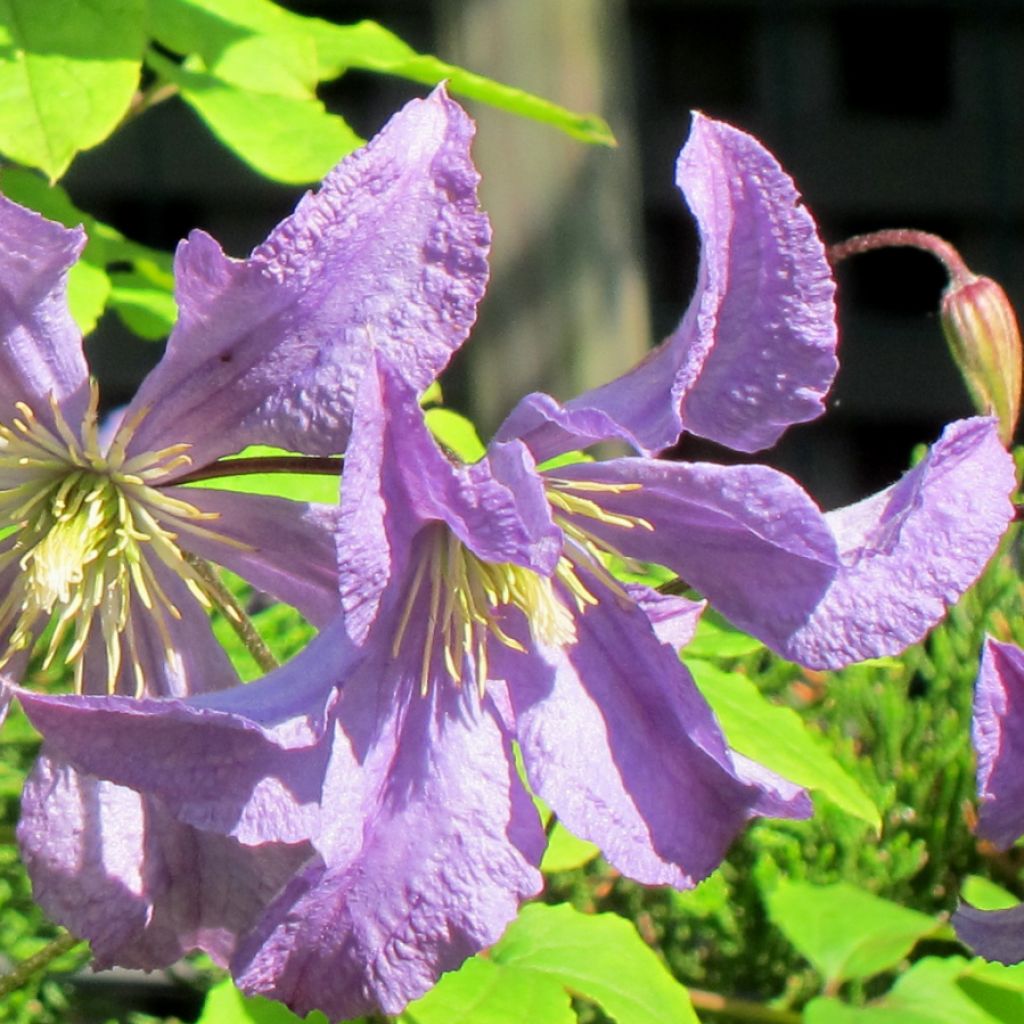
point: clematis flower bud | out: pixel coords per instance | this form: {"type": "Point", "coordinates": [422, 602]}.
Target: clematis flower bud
{"type": "Point", "coordinates": [981, 328]}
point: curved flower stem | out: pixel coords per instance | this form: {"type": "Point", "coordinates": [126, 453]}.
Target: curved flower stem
{"type": "Point", "coordinates": [328, 465]}
{"type": "Point", "coordinates": [741, 1009]}
{"type": "Point", "coordinates": [38, 961]}
{"type": "Point", "coordinates": [911, 237]}
{"type": "Point", "coordinates": [233, 612]}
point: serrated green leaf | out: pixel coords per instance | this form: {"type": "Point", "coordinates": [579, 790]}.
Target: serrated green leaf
{"type": "Point", "coordinates": [372, 47]}
{"type": "Point", "coordinates": [599, 956]}
{"type": "Point", "coordinates": [68, 71]}
{"type": "Point", "coordinates": [844, 931]}
{"type": "Point", "coordinates": [226, 1005]}
{"type": "Point", "coordinates": [287, 138]}
{"type": "Point", "coordinates": [778, 738]}
{"type": "Point", "coordinates": [456, 433]}
{"type": "Point", "coordinates": [485, 992]}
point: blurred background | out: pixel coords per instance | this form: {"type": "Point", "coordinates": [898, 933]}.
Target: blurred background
{"type": "Point", "coordinates": [887, 114]}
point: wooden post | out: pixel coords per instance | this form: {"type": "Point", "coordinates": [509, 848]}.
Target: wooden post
{"type": "Point", "coordinates": [567, 305]}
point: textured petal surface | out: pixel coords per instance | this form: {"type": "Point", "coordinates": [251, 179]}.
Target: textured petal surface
{"type": "Point", "coordinates": [993, 934]}
{"type": "Point", "coordinates": [755, 351]}
{"type": "Point", "coordinates": [40, 346]}
{"type": "Point", "coordinates": [433, 845]}
{"type": "Point", "coordinates": [861, 582]}
{"type": "Point", "coordinates": [617, 739]}
{"type": "Point", "coordinates": [389, 255]}
{"type": "Point", "coordinates": [286, 548]}
{"type": "Point", "coordinates": [114, 868]}
{"type": "Point", "coordinates": [998, 733]}
{"type": "Point", "coordinates": [247, 762]}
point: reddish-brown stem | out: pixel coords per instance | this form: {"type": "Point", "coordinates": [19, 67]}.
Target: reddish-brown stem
{"type": "Point", "coordinates": [911, 237]}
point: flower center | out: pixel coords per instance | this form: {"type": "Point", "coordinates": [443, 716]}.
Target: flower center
{"type": "Point", "coordinates": [468, 598]}
{"type": "Point", "coordinates": [91, 531]}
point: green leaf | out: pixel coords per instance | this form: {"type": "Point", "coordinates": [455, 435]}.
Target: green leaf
{"type": "Point", "coordinates": [985, 894]}
{"type": "Point", "coordinates": [68, 71]}
{"type": "Point", "coordinates": [250, 43]}
{"type": "Point", "coordinates": [717, 638]}
{"type": "Point", "coordinates": [147, 309]}
{"type": "Point", "coordinates": [318, 487]}
{"type": "Point", "coordinates": [372, 47]}
{"type": "Point", "coordinates": [598, 956]}
{"type": "Point", "coordinates": [778, 738]}
{"type": "Point", "coordinates": [566, 852]}
{"type": "Point", "coordinates": [935, 990]}
{"type": "Point", "coordinates": [287, 138]}
{"type": "Point", "coordinates": [456, 433]}
{"type": "Point", "coordinates": [484, 992]}
{"type": "Point", "coordinates": [226, 1005]}
{"type": "Point", "coordinates": [843, 931]}
{"type": "Point", "coordinates": [142, 295]}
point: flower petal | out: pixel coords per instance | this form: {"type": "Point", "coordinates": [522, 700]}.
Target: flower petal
{"type": "Point", "coordinates": [993, 934]}
{"type": "Point", "coordinates": [113, 867]}
{"type": "Point", "coordinates": [755, 351]}
{"type": "Point", "coordinates": [389, 255]}
{"type": "Point", "coordinates": [286, 548]}
{"type": "Point", "coordinates": [247, 762]}
{"type": "Point", "coordinates": [998, 733]}
{"type": "Point", "coordinates": [861, 582]}
{"type": "Point", "coordinates": [40, 346]}
{"type": "Point", "coordinates": [618, 741]}
{"type": "Point", "coordinates": [434, 844]}
{"type": "Point", "coordinates": [397, 479]}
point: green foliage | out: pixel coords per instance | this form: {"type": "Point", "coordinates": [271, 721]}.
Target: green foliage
{"type": "Point", "coordinates": [133, 280]}
{"type": "Point", "coordinates": [600, 957]}
{"type": "Point", "coordinates": [778, 738]}
{"type": "Point", "coordinates": [842, 930]}
{"type": "Point", "coordinates": [68, 71]}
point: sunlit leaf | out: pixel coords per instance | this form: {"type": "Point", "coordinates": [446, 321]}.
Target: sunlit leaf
{"type": "Point", "coordinates": [599, 956]}
{"type": "Point", "coordinates": [68, 71]}
{"type": "Point", "coordinates": [844, 931]}
{"type": "Point", "coordinates": [372, 47]}
{"type": "Point", "coordinates": [456, 433]}
{"type": "Point", "coordinates": [226, 1005]}
{"type": "Point", "coordinates": [287, 138]}
{"type": "Point", "coordinates": [484, 992]}
{"type": "Point", "coordinates": [778, 738]}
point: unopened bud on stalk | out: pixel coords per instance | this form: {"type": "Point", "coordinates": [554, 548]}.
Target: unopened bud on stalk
{"type": "Point", "coordinates": [977, 319]}
{"type": "Point", "coordinates": [981, 328]}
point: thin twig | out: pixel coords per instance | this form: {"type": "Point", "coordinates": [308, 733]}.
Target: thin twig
{"type": "Point", "coordinates": [233, 612]}
{"type": "Point", "coordinates": [38, 961]}
{"type": "Point", "coordinates": [328, 465]}
{"type": "Point", "coordinates": [742, 1009]}
{"type": "Point", "coordinates": [909, 237]}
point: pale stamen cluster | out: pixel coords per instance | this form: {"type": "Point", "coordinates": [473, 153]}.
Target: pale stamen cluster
{"type": "Point", "coordinates": [467, 598]}
{"type": "Point", "coordinates": [89, 528]}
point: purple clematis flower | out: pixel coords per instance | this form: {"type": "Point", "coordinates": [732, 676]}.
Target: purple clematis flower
{"type": "Point", "coordinates": [390, 251]}
{"type": "Point", "coordinates": [480, 614]}
{"type": "Point", "coordinates": [999, 740]}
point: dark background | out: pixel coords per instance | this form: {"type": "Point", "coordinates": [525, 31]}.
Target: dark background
{"type": "Point", "coordinates": [886, 114]}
